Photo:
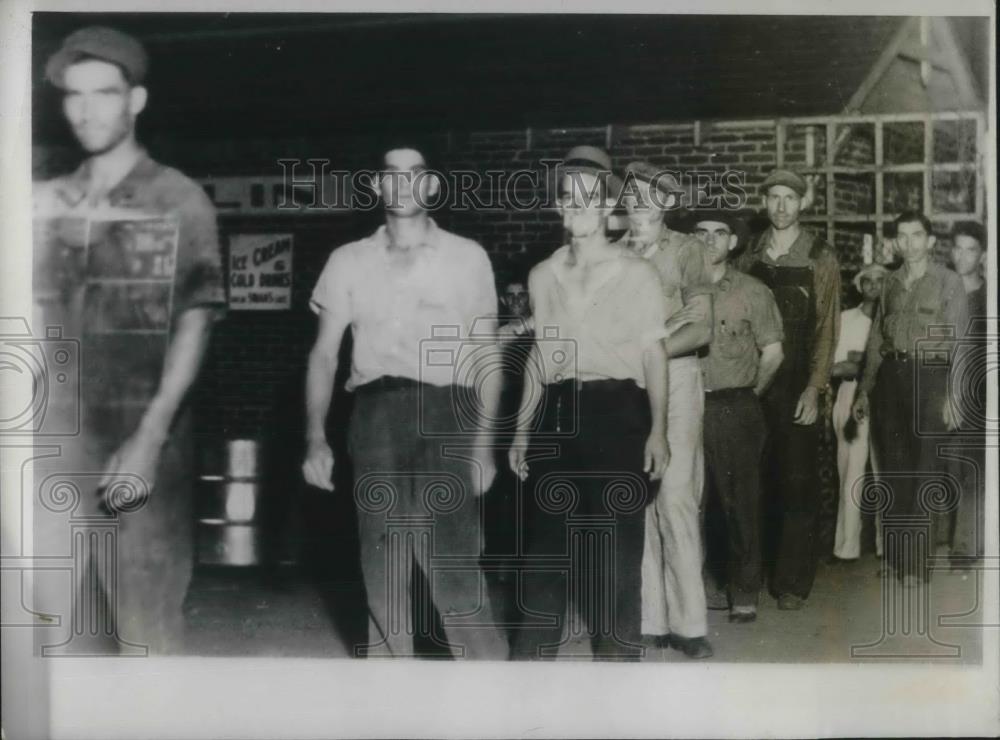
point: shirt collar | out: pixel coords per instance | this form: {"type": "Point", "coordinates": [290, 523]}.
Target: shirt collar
{"type": "Point", "coordinates": [666, 234]}
{"type": "Point", "coordinates": [800, 247]}
{"type": "Point", "coordinates": [431, 239]}
{"type": "Point", "coordinates": [934, 271]}
{"type": "Point", "coordinates": [73, 188]}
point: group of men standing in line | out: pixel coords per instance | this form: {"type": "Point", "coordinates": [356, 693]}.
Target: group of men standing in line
{"type": "Point", "coordinates": [648, 363]}
{"type": "Point", "coordinates": [652, 363]}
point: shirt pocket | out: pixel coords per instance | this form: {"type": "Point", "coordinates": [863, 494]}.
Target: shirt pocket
{"type": "Point", "coordinates": [733, 340]}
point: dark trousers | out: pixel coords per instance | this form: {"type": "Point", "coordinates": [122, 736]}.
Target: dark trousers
{"type": "Point", "coordinates": [789, 475]}
{"type": "Point", "coordinates": [970, 519]}
{"type": "Point", "coordinates": [735, 433]}
{"type": "Point", "coordinates": [584, 520]}
{"type": "Point", "coordinates": [907, 427]}
{"type": "Point", "coordinates": [416, 508]}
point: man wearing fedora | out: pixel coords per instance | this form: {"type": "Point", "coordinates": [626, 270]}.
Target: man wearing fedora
{"type": "Point", "coordinates": [127, 262]}
{"type": "Point", "coordinates": [802, 271]}
{"type": "Point", "coordinates": [673, 608]}
{"type": "Point", "coordinates": [598, 384]}
{"type": "Point", "coordinates": [741, 361]}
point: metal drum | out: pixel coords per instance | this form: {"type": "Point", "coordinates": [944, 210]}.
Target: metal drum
{"type": "Point", "coordinates": [228, 528]}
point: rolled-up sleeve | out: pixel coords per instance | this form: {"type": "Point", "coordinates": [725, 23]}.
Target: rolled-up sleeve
{"type": "Point", "coordinates": [765, 318]}
{"type": "Point", "coordinates": [482, 305]}
{"type": "Point", "coordinates": [199, 280]}
{"type": "Point", "coordinates": [332, 290]}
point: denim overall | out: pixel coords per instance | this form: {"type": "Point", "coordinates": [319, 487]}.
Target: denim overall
{"type": "Point", "coordinates": [790, 460]}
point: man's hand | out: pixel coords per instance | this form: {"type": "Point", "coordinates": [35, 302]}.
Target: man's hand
{"type": "Point", "coordinates": [484, 467]}
{"type": "Point", "coordinates": [318, 466]}
{"type": "Point", "coordinates": [656, 456]}
{"type": "Point", "coordinates": [807, 409]}
{"type": "Point", "coordinates": [860, 408]}
{"type": "Point", "coordinates": [137, 457]}
{"type": "Point", "coordinates": [517, 456]}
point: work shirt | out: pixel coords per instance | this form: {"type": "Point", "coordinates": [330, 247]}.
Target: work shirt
{"type": "Point", "coordinates": [116, 271]}
{"type": "Point", "coordinates": [679, 260]}
{"type": "Point", "coordinates": [746, 321]}
{"type": "Point", "coordinates": [417, 313]}
{"type": "Point", "coordinates": [826, 288]}
{"type": "Point", "coordinates": [602, 334]}
{"type": "Point", "coordinates": [930, 315]}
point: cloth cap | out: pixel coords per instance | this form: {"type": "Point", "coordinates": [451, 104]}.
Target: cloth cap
{"type": "Point", "coordinates": [787, 178]}
{"type": "Point", "coordinates": [593, 160]}
{"type": "Point", "coordinates": [99, 42]}
{"type": "Point", "coordinates": [663, 181]}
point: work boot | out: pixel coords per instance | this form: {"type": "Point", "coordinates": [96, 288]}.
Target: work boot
{"type": "Point", "coordinates": [692, 647]}
{"type": "Point", "coordinates": [790, 602]}
{"type": "Point", "coordinates": [743, 614]}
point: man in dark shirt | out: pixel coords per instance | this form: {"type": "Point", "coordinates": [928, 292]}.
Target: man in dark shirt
{"type": "Point", "coordinates": [906, 387]}
{"type": "Point", "coordinates": [802, 272]}
{"type": "Point", "coordinates": [742, 359]}
{"type": "Point", "coordinates": [127, 261]}
{"type": "Point", "coordinates": [968, 254]}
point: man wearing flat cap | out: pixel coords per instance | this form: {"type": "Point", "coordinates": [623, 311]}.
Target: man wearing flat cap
{"type": "Point", "coordinates": [739, 366]}
{"type": "Point", "coordinates": [597, 381]}
{"type": "Point", "coordinates": [127, 262]}
{"type": "Point", "coordinates": [801, 270]}
{"type": "Point", "coordinates": [673, 608]}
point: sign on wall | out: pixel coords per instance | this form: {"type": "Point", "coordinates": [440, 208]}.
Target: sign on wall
{"type": "Point", "coordinates": [260, 272]}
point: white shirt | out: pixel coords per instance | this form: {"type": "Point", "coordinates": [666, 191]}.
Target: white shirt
{"type": "Point", "coordinates": [415, 314]}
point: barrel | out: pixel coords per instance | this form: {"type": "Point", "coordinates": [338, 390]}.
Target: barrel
{"type": "Point", "coordinates": [229, 531]}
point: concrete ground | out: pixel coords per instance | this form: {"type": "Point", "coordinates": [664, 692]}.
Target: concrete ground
{"type": "Point", "coordinates": [852, 615]}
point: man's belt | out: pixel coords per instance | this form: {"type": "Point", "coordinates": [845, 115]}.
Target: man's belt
{"type": "Point", "coordinates": [929, 356]}
{"type": "Point", "coordinates": [896, 354]}
{"type": "Point", "coordinates": [723, 393]}
{"type": "Point", "coordinates": [388, 383]}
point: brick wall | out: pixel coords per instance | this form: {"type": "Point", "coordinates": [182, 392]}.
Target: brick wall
{"type": "Point", "coordinates": [255, 370]}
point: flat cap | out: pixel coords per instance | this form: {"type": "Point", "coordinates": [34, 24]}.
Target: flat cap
{"type": "Point", "coordinates": [655, 176]}
{"type": "Point", "coordinates": [595, 161]}
{"type": "Point", "coordinates": [787, 178]}
{"type": "Point", "coordinates": [99, 42]}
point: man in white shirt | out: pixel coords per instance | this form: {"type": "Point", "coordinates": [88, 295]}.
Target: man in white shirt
{"type": "Point", "coordinates": [852, 436]}
{"type": "Point", "coordinates": [422, 305]}
{"type": "Point", "coordinates": [598, 376]}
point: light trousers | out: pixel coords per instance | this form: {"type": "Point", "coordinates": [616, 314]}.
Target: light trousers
{"type": "Point", "coordinates": [673, 591]}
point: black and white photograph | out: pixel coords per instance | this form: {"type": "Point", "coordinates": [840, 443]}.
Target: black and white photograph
{"type": "Point", "coordinates": [444, 371]}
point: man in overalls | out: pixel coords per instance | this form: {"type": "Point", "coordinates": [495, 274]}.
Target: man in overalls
{"type": "Point", "coordinates": [801, 270]}
{"type": "Point", "coordinates": [127, 264]}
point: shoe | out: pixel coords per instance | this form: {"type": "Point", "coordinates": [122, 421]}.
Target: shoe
{"type": "Point", "coordinates": [743, 614]}
{"type": "Point", "coordinates": [790, 602]}
{"type": "Point", "coordinates": [693, 647]}
{"type": "Point", "coordinates": [834, 560]}
{"type": "Point", "coordinates": [717, 600]}
{"type": "Point", "coordinates": [660, 642]}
